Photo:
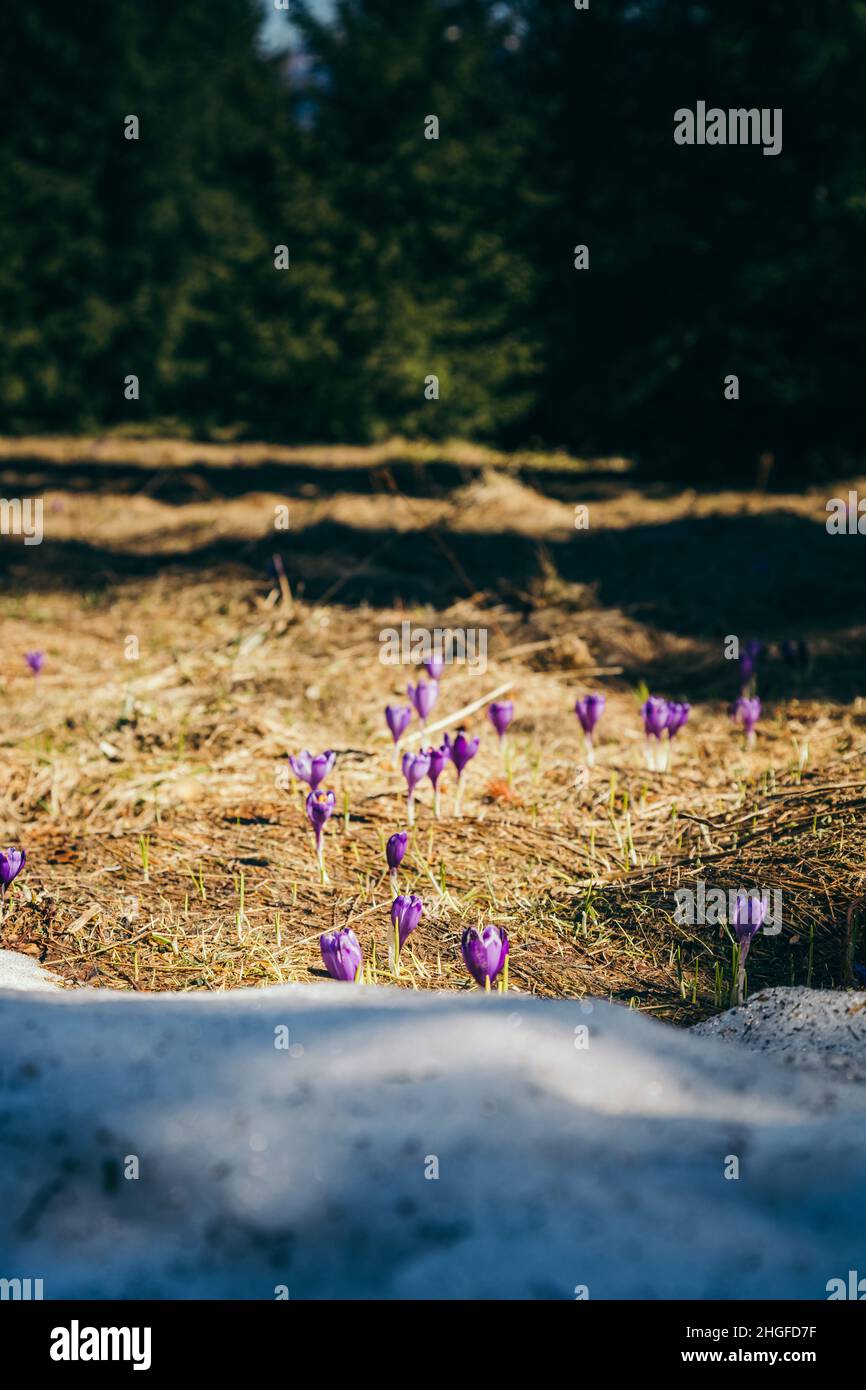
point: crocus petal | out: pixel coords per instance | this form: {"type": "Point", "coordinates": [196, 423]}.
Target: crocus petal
{"type": "Point", "coordinates": [300, 764]}
{"type": "Point", "coordinates": [320, 766]}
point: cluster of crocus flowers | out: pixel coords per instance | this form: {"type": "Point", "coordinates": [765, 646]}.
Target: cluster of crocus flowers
{"type": "Point", "coordinates": [484, 949]}
{"type": "Point", "coordinates": [485, 955]}
{"type": "Point", "coordinates": [342, 955]}
{"type": "Point", "coordinates": [662, 717]}
{"type": "Point", "coordinates": [747, 711]}
{"type": "Point", "coordinates": [320, 808]}
{"type": "Point", "coordinates": [405, 915]}
{"type": "Point", "coordinates": [12, 861]}
{"type": "Point", "coordinates": [749, 913]}
{"type": "Point", "coordinates": [589, 710]}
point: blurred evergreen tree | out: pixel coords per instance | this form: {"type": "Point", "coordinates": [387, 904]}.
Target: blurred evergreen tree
{"type": "Point", "coordinates": [428, 239]}
{"type": "Point", "coordinates": [414, 257]}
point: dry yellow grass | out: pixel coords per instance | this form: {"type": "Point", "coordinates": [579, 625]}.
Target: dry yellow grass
{"type": "Point", "coordinates": [164, 851]}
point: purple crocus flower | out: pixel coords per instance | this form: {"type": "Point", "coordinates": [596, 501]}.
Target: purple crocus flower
{"type": "Point", "coordinates": [463, 750]}
{"type": "Point", "coordinates": [35, 660]}
{"type": "Point", "coordinates": [405, 916]}
{"type": "Point", "coordinates": [747, 711]}
{"type": "Point", "coordinates": [394, 853]}
{"type": "Point", "coordinates": [320, 808]}
{"type": "Point", "coordinates": [439, 758]}
{"type": "Point", "coordinates": [415, 769]}
{"type": "Point", "coordinates": [484, 953]}
{"type": "Point", "coordinates": [655, 720]}
{"type": "Point", "coordinates": [12, 861]}
{"type": "Point", "coordinates": [678, 715]}
{"type": "Point", "coordinates": [749, 914]}
{"type": "Point", "coordinates": [342, 954]}
{"type": "Point", "coordinates": [423, 696]}
{"type": "Point", "coordinates": [589, 710]}
{"type": "Point", "coordinates": [312, 770]}
{"type": "Point", "coordinates": [500, 714]}
{"type": "Point", "coordinates": [434, 668]}
{"type": "Point", "coordinates": [398, 718]}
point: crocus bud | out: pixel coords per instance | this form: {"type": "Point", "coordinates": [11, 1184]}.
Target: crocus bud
{"type": "Point", "coordinates": [423, 696]}
{"type": "Point", "coordinates": [342, 954]}
{"type": "Point", "coordinates": [395, 849]}
{"type": "Point", "coordinates": [398, 718]}
{"type": "Point", "coordinates": [415, 768]}
{"type": "Point", "coordinates": [655, 716]}
{"type": "Point", "coordinates": [434, 668]}
{"type": "Point", "coordinates": [589, 710]}
{"type": "Point", "coordinates": [12, 861]}
{"type": "Point", "coordinates": [484, 953]}
{"type": "Point", "coordinates": [500, 714]}
{"type": "Point", "coordinates": [749, 914]}
{"type": "Point", "coordinates": [463, 750]}
{"type": "Point", "coordinates": [405, 916]}
{"type": "Point", "coordinates": [35, 660]}
{"type": "Point", "coordinates": [747, 712]}
{"type": "Point", "coordinates": [320, 807]}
